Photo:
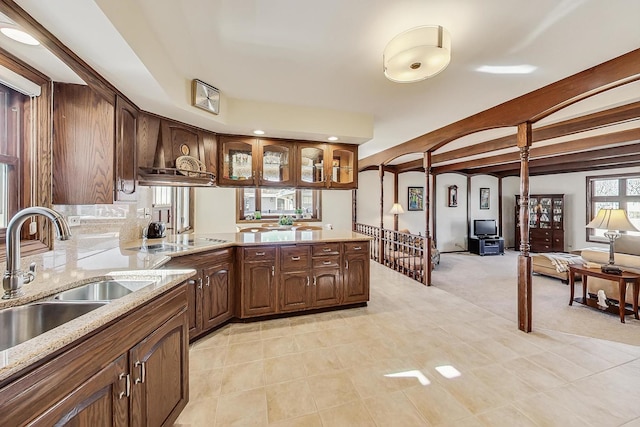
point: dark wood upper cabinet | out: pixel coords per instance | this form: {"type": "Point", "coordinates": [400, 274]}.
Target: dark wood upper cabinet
{"type": "Point", "coordinates": [83, 146]}
{"type": "Point", "coordinates": [276, 163]}
{"type": "Point", "coordinates": [238, 161]}
{"type": "Point", "coordinates": [327, 165]}
{"type": "Point", "coordinates": [126, 166]}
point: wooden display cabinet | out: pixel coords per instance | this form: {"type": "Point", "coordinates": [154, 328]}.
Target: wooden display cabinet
{"type": "Point", "coordinates": [546, 222]}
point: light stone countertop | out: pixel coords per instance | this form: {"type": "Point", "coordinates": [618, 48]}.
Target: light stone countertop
{"type": "Point", "coordinates": [91, 257]}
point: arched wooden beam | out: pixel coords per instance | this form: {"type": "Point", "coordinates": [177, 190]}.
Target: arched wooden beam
{"type": "Point", "coordinates": [530, 107]}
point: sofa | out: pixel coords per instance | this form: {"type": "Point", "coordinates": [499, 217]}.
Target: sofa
{"type": "Point", "coordinates": [627, 257]}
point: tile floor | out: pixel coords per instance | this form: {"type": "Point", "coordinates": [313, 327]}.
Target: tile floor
{"type": "Point", "coordinates": [415, 356]}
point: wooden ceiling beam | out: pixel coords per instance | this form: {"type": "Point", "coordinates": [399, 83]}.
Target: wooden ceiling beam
{"type": "Point", "coordinates": [613, 116]}
{"type": "Point", "coordinates": [530, 107]}
{"type": "Point", "coordinates": [548, 150]}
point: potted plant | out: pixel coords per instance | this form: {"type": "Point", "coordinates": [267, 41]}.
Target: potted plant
{"type": "Point", "coordinates": [285, 220]}
{"type": "Point", "coordinates": [298, 213]}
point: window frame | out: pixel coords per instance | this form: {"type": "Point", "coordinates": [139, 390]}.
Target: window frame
{"type": "Point", "coordinates": [240, 214]}
{"type": "Point", "coordinates": [170, 210]}
{"type": "Point", "coordinates": [622, 199]}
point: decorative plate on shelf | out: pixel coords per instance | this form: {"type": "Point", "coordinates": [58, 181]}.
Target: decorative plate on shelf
{"type": "Point", "coordinates": [190, 166]}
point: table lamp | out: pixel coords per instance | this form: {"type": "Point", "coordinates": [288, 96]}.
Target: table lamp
{"type": "Point", "coordinates": [396, 209]}
{"type": "Point", "coordinates": [614, 221]}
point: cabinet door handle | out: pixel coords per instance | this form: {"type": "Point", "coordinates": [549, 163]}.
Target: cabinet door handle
{"type": "Point", "coordinates": [346, 264]}
{"type": "Point", "coordinates": [295, 258]}
{"type": "Point", "coordinates": [143, 372]}
{"type": "Point", "coordinates": [307, 280]}
{"type": "Point", "coordinates": [357, 248]}
{"type": "Point", "coordinates": [259, 253]}
{"type": "Point", "coordinates": [208, 281]}
{"type": "Point", "coordinates": [326, 250]}
{"type": "Point", "coordinates": [326, 262]}
{"type": "Point", "coordinates": [273, 270]}
{"type": "Point", "coordinates": [127, 385]}
{"type": "Point", "coordinates": [200, 283]}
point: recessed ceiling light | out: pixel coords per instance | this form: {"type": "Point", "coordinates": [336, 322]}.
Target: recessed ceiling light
{"type": "Point", "coordinates": [333, 138]}
{"type": "Point", "coordinates": [18, 35]}
{"type": "Point", "coordinates": [507, 69]}
{"type": "Point", "coordinates": [258, 132]}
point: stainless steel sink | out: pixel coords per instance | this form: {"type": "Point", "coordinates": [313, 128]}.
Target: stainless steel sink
{"type": "Point", "coordinates": [104, 290]}
{"type": "Point", "coordinates": [19, 324]}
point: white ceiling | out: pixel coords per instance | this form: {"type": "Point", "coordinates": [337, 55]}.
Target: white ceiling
{"type": "Point", "coordinates": [307, 69]}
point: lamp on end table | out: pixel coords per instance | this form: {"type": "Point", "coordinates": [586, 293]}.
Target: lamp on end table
{"type": "Point", "coordinates": [614, 221]}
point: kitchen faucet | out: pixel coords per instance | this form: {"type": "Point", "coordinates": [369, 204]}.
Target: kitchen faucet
{"type": "Point", "coordinates": [14, 278]}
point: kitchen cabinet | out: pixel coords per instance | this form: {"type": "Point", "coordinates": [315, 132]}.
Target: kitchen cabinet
{"type": "Point", "coordinates": [131, 373]}
{"type": "Point", "coordinates": [246, 161]}
{"type": "Point", "coordinates": [83, 146]}
{"type": "Point", "coordinates": [257, 290]}
{"type": "Point", "coordinates": [126, 167]}
{"type": "Point", "coordinates": [356, 272]}
{"type": "Point", "coordinates": [326, 275]}
{"type": "Point", "coordinates": [546, 223]}
{"type": "Point", "coordinates": [211, 291]}
{"type": "Point", "coordinates": [327, 165]}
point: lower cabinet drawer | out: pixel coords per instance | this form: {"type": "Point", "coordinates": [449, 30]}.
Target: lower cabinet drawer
{"type": "Point", "coordinates": [325, 262]}
{"type": "Point", "coordinates": [294, 258]}
{"type": "Point", "coordinates": [259, 253]}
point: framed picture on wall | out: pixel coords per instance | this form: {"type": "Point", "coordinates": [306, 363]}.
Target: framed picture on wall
{"type": "Point", "coordinates": [415, 200]}
{"type": "Point", "coordinates": [452, 200]}
{"type": "Point", "coordinates": [484, 198]}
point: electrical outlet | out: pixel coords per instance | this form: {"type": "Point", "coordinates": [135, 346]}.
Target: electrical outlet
{"type": "Point", "coordinates": [73, 221]}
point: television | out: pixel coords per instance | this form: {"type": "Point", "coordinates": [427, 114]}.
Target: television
{"type": "Point", "coordinates": [485, 227]}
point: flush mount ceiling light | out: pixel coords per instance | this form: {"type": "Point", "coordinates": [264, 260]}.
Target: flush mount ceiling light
{"type": "Point", "coordinates": [417, 54]}
{"type": "Point", "coordinates": [258, 132]}
{"type": "Point", "coordinates": [17, 34]}
{"type": "Point", "coordinates": [332, 138]}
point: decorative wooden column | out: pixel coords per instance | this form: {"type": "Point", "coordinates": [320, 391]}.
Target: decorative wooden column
{"type": "Point", "coordinates": [395, 199]}
{"type": "Point", "coordinates": [381, 236]}
{"type": "Point", "coordinates": [500, 207]}
{"type": "Point", "coordinates": [426, 263]}
{"type": "Point", "coordinates": [524, 260]}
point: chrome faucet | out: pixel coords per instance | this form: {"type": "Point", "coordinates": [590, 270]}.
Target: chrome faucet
{"type": "Point", "coordinates": [14, 278]}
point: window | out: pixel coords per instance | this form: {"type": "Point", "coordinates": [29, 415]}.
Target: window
{"type": "Point", "coordinates": [173, 206]}
{"type": "Point", "coordinates": [273, 202]}
{"type": "Point", "coordinates": [613, 192]}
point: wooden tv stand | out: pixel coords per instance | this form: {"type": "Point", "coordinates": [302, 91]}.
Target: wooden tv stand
{"type": "Point", "coordinates": [486, 245]}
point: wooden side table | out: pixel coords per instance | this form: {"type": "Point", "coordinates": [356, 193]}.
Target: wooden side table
{"type": "Point", "coordinates": [623, 279]}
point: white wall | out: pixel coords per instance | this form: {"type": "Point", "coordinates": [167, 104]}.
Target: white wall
{"type": "Point", "coordinates": [451, 222]}
{"type": "Point", "coordinates": [215, 209]}
{"type": "Point", "coordinates": [368, 199]}
{"type": "Point", "coordinates": [414, 221]}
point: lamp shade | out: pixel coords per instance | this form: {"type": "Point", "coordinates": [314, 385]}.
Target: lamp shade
{"type": "Point", "coordinates": [396, 209]}
{"type": "Point", "coordinates": [612, 219]}
{"type": "Point", "coordinates": [417, 54]}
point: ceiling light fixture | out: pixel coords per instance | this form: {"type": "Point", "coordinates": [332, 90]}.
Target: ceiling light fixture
{"type": "Point", "coordinates": [417, 54]}
{"type": "Point", "coordinates": [332, 138]}
{"type": "Point", "coordinates": [18, 35]}
{"type": "Point", "coordinates": [258, 132]}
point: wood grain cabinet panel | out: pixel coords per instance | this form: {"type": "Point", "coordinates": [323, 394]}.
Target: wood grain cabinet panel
{"type": "Point", "coordinates": [294, 291]}
{"type": "Point", "coordinates": [83, 146]}
{"type": "Point", "coordinates": [356, 272]}
{"type": "Point", "coordinates": [258, 289]}
{"type": "Point", "coordinates": [326, 287]}
{"type": "Point", "coordinates": [217, 302]}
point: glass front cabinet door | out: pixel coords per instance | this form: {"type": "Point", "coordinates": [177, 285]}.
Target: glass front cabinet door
{"type": "Point", "coordinates": [327, 165]}
{"type": "Point", "coordinates": [342, 167]}
{"type": "Point", "coordinates": [238, 161]}
{"type": "Point", "coordinates": [312, 168]}
{"type": "Point", "coordinates": [277, 163]}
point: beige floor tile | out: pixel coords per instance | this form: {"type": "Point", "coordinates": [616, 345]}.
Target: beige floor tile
{"type": "Point", "coordinates": [560, 366]}
{"type": "Point", "coordinates": [276, 328]}
{"type": "Point", "coordinates": [248, 408]}
{"type": "Point", "coordinates": [506, 416]}
{"type": "Point", "coordinates": [311, 420]}
{"type": "Point", "coordinates": [321, 361]}
{"type": "Point", "coordinates": [503, 382]}
{"type": "Point", "coordinates": [605, 351]}
{"type": "Point", "coordinates": [242, 377]}
{"type": "Point", "coordinates": [583, 358]}
{"type": "Point", "coordinates": [198, 413]}
{"type": "Point", "coordinates": [394, 410]}
{"type": "Point", "coordinates": [310, 340]}
{"type": "Point", "coordinates": [534, 375]}
{"type": "Point", "coordinates": [219, 338]}
{"type": "Point", "coordinates": [517, 342]}
{"type": "Point", "coordinates": [244, 352]}
{"type": "Point", "coordinates": [289, 400]}
{"type": "Point", "coordinates": [546, 411]}
{"type": "Point", "coordinates": [355, 354]}
{"type": "Point", "coordinates": [333, 389]}
{"type": "Point", "coordinates": [634, 423]}
{"type": "Point", "coordinates": [244, 336]}
{"type": "Point", "coordinates": [465, 422]}
{"type": "Point", "coordinates": [589, 405]}
{"type": "Point", "coordinates": [279, 346]}
{"type": "Point", "coordinates": [352, 414]}
{"type": "Point", "coordinates": [436, 404]}
{"type": "Point", "coordinates": [494, 350]}
{"type": "Point", "coordinates": [207, 358]}
{"type": "Point", "coordinates": [204, 384]}
{"type": "Point", "coordinates": [304, 324]}
{"type": "Point", "coordinates": [284, 368]}
{"type": "Point", "coordinates": [473, 393]}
